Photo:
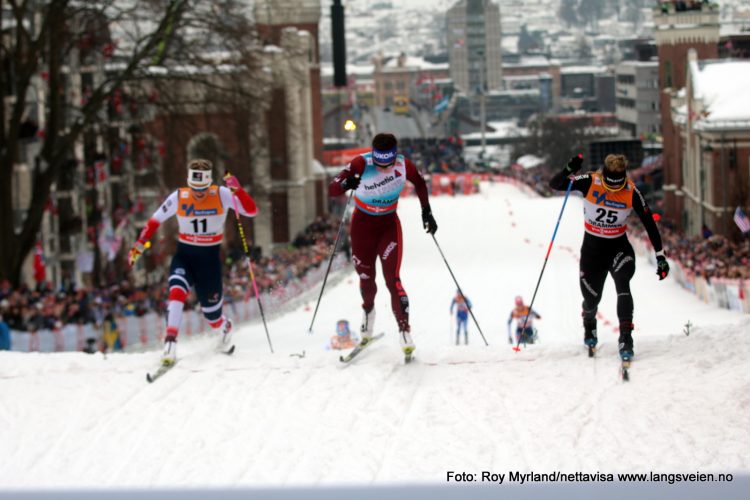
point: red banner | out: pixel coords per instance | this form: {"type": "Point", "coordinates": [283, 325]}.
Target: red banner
{"type": "Point", "coordinates": [341, 157]}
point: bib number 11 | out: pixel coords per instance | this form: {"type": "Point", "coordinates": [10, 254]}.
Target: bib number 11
{"type": "Point", "coordinates": [204, 225]}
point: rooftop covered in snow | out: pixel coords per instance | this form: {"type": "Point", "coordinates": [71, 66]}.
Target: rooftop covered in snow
{"type": "Point", "coordinates": [721, 86]}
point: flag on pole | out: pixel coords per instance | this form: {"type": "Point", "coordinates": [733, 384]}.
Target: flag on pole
{"type": "Point", "coordinates": [442, 105]}
{"type": "Point", "coordinates": [110, 238]}
{"type": "Point", "coordinates": [741, 220]}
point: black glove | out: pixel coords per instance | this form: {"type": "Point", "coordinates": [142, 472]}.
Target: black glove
{"type": "Point", "coordinates": [662, 267]}
{"type": "Point", "coordinates": [575, 164]}
{"type": "Point", "coordinates": [428, 221]}
{"type": "Point", "coordinates": [350, 183]}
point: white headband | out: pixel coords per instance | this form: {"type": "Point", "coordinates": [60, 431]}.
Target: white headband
{"type": "Point", "coordinates": [199, 179]}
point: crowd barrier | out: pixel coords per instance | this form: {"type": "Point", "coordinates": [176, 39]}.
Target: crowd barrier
{"type": "Point", "coordinates": [726, 293]}
{"type": "Point", "coordinates": [139, 333]}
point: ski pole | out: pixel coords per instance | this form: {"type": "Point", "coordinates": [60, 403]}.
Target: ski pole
{"type": "Point", "coordinates": [241, 229]}
{"type": "Point", "coordinates": [546, 257]}
{"type": "Point", "coordinates": [459, 289]}
{"type": "Point", "coordinates": [330, 260]}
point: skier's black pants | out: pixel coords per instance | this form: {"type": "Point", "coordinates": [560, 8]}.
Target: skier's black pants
{"type": "Point", "coordinates": [599, 257]}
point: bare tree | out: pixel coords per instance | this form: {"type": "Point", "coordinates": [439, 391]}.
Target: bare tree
{"type": "Point", "coordinates": [556, 141]}
{"type": "Point", "coordinates": [42, 39]}
{"type": "Point", "coordinates": [147, 46]}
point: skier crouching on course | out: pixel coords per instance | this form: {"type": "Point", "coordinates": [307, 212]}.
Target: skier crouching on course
{"type": "Point", "coordinates": [343, 338]}
{"type": "Point", "coordinates": [201, 210]}
{"type": "Point", "coordinates": [377, 179]}
{"type": "Point", "coordinates": [523, 314]}
{"type": "Point", "coordinates": [609, 197]}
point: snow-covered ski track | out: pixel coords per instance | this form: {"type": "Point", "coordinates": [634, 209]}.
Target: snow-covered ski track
{"type": "Point", "coordinates": [261, 419]}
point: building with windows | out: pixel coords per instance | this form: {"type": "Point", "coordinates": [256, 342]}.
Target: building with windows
{"type": "Point", "coordinates": [587, 88]}
{"type": "Point", "coordinates": [676, 32]}
{"type": "Point", "coordinates": [502, 105]}
{"type": "Point", "coordinates": [406, 78]}
{"type": "Point", "coordinates": [473, 36]}
{"type": "Point", "coordinates": [704, 116]}
{"type": "Point", "coordinates": [712, 125]}
{"type": "Point", "coordinates": [637, 98]}
{"type": "Point", "coordinates": [289, 163]}
{"type": "Point", "coordinates": [532, 72]}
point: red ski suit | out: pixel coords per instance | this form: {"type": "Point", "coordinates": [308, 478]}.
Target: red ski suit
{"type": "Point", "coordinates": [376, 229]}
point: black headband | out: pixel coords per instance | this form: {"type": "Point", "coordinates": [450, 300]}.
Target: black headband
{"type": "Point", "coordinates": [613, 178]}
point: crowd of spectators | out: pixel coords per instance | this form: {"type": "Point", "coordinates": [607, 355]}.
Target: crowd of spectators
{"type": "Point", "coordinates": [307, 251]}
{"type": "Point", "coordinates": [435, 155]}
{"type": "Point", "coordinates": [44, 308]}
{"type": "Point", "coordinates": [707, 255]}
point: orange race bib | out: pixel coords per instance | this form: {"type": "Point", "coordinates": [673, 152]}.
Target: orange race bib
{"type": "Point", "coordinates": [605, 212]}
{"type": "Point", "coordinates": [201, 221]}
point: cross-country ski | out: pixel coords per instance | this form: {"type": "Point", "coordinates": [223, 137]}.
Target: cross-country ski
{"type": "Point", "coordinates": [350, 356]}
{"type": "Point", "coordinates": [165, 367]}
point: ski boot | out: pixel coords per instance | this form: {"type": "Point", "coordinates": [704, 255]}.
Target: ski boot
{"type": "Point", "coordinates": [368, 324]}
{"type": "Point", "coordinates": [626, 341]}
{"type": "Point", "coordinates": [169, 356]}
{"type": "Point", "coordinates": [589, 335]}
{"type": "Point", "coordinates": [407, 344]}
{"type": "Point", "coordinates": [225, 335]}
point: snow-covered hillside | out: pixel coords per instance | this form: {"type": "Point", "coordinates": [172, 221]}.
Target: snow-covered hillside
{"type": "Point", "coordinates": [257, 418]}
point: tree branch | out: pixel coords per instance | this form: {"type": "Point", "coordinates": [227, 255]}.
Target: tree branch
{"type": "Point", "coordinates": [56, 151]}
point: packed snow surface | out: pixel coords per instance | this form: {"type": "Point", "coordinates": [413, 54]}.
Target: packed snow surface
{"type": "Point", "coordinates": [262, 419]}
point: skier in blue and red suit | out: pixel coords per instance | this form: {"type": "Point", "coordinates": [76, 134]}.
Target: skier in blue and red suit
{"type": "Point", "coordinates": [377, 179]}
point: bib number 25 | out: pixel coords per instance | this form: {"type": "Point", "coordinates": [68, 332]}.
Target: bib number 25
{"type": "Point", "coordinates": [608, 216]}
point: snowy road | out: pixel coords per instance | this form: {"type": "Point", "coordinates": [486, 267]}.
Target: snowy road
{"type": "Point", "coordinates": [262, 419]}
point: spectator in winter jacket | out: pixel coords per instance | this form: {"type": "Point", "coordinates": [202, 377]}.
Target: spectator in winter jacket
{"type": "Point", "coordinates": [111, 334]}
{"type": "Point", "coordinates": [4, 335]}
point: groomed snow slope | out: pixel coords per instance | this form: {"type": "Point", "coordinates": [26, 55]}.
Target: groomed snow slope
{"type": "Point", "coordinates": [257, 418]}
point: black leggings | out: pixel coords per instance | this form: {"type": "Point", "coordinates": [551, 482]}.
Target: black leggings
{"type": "Point", "coordinates": [599, 257]}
